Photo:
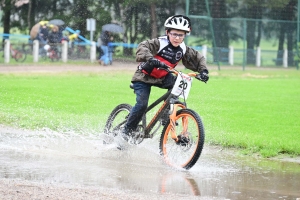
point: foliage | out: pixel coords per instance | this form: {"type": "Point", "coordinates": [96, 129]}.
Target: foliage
{"type": "Point", "coordinates": [140, 22]}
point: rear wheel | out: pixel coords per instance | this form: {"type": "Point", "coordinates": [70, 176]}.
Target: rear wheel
{"type": "Point", "coordinates": [190, 133]}
{"type": "Point", "coordinates": [20, 56]}
{"type": "Point", "coordinates": [117, 119]}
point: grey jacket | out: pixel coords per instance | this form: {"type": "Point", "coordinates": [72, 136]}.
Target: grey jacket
{"type": "Point", "coordinates": [192, 60]}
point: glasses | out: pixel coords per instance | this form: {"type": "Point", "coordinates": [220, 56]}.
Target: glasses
{"type": "Point", "coordinates": [175, 35]}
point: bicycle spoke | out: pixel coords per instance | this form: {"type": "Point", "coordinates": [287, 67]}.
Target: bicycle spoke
{"type": "Point", "coordinates": [190, 138]}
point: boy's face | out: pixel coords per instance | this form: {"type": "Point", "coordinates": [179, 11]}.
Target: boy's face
{"type": "Point", "coordinates": [176, 37]}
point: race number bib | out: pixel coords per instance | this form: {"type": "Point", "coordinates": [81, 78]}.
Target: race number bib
{"type": "Point", "coordinates": [182, 86]}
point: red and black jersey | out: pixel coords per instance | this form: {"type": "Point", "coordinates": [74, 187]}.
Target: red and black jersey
{"type": "Point", "coordinates": [167, 54]}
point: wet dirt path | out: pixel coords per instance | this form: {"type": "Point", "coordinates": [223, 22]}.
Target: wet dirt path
{"type": "Point", "coordinates": [44, 158]}
{"type": "Point", "coordinates": [48, 165]}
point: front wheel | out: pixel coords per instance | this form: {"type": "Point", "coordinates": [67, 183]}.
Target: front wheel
{"type": "Point", "coordinates": [190, 134]}
{"type": "Point", "coordinates": [117, 119]}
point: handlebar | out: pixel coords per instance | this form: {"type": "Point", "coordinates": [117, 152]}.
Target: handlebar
{"type": "Point", "coordinates": [172, 70]}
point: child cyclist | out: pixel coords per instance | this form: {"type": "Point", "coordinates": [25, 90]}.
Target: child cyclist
{"type": "Point", "coordinates": [155, 53]}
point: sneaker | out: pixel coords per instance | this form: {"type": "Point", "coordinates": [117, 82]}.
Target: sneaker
{"type": "Point", "coordinates": [126, 134]}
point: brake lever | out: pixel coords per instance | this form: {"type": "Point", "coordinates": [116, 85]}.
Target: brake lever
{"type": "Point", "coordinates": [166, 68]}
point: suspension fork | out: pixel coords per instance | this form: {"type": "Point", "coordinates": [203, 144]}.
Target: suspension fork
{"type": "Point", "coordinates": [173, 109]}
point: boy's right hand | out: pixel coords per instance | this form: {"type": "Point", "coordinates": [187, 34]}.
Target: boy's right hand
{"type": "Point", "coordinates": [151, 64]}
{"type": "Point", "coordinates": [156, 63]}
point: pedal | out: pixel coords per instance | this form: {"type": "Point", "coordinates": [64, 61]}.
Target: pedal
{"type": "Point", "coordinates": [138, 138]}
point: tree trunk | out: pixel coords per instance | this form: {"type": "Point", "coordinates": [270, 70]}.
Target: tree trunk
{"type": "Point", "coordinates": [287, 13]}
{"type": "Point", "coordinates": [6, 18]}
{"type": "Point", "coordinates": [259, 30]}
{"type": "Point", "coordinates": [290, 30]}
{"type": "Point", "coordinates": [290, 43]}
{"type": "Point", "coordinates": [153, 21]}
{"type": "Point", "coordinates": [255, 12]}
{"type": "Point", "coordinates": [220, 28]}
{"type": "Point", "coordinates": [280, 45]}
{"type": "Point", "coordinates": [251, 26]}
{"type": "Point", "coordinates": [28, 16]}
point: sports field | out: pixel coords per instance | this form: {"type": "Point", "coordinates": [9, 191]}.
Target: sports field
{"type": "Point", "coordinates": [256, 110]}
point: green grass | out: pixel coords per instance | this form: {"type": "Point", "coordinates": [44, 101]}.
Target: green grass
{"type": "Point", "coordinates": [256, 111]}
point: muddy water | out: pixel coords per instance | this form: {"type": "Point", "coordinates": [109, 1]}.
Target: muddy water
{"type": "Point", "coordinates": [67, 158]}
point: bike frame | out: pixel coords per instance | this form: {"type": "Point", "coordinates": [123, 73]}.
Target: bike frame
{"type": "Point", "coordinates": [169, 100]}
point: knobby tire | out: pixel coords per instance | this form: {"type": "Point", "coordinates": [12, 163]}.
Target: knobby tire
{"type": "Point", "coordinates": [185, 154]}
{"type": "Point", "coordinates": [117, 119]}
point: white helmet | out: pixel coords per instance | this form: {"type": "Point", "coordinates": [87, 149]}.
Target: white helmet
{"type": "Point", "coordinates": [179, 22]}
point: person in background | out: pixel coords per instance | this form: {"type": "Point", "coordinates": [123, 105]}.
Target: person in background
{"type": "Point", "coordinates": [54, 38]}
{"type": "Point", "coordinates": [44, 33]}
{"type": "Point", "coordinates": [43, 36]}
{"type": "Point", "coordinates": [99, 49]}
{"type": "Point", "coordinates": [110, 49]}
{"type": "Point", "coordinates": [105, 39]}
{"type": "Point", "coordinates": [156, 53]}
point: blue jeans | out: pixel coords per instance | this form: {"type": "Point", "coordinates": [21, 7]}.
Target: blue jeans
{"type": "Point", "coordinates": [105, 57]}
{"type": "Point", "coordinates": [142, 91]}
{"type": "Point", "coordinates": [110, 52]}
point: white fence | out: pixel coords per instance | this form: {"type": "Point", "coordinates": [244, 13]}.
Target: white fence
{"type": "Point", "coordinates": [258, 56]}
{"type": "Point", "coordinates": [232, 58]}
{"type": "Point", "coordinates": [36, 47]}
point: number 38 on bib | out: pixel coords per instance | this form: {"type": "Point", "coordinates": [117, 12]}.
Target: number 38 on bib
{"type": "Point", "coordinates": [182, 85]}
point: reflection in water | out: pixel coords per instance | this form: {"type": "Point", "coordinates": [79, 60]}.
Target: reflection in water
{"type": "Point", "coordinates": [179, 182]}
{"type": "Point", "coordinates": [74, 159]}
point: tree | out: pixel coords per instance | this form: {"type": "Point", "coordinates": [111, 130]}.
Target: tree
{"type": "Point", "coordinates": [6, 6]}
{"type": "Point", "coordinates": [287, 28]}
{"type": "Point", "coordinates": [142, 19]}
{"type": "Point", "coordinates": [254, 16]}
{"type": "Point", "coordinates": [220, 28]}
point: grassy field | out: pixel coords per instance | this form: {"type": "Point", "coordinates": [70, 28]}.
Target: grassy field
{"type": "Point", "coordinates": [256, 110]}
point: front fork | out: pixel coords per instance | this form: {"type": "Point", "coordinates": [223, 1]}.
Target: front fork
{"type": "Point", "coordinates": [173, 109]}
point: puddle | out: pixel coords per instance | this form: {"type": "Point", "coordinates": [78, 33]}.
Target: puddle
{"type": "Point", "coordinates": [72, 159]}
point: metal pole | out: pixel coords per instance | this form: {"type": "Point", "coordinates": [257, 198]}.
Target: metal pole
{"type": "Point", "coordinates": [212, 32]}
{"type": "Point", "coordinates": [298, 32]}
{"type": "Point", "coordinates": [187, 7]}
{"type": "Point", "coordinates": [244, 43]}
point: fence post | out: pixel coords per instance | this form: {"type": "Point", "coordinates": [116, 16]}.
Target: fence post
{"type": "Point", "coordinates": [231, 55]}
{"type": "Point", "coordinates": [6, 51]}
{"type": "Point", "coordinates": [64, 51]}
{"type": "Point", "coordinates": [204, 51]}
{"type": "Point", "coordinates": [35, 50]}
{"type": "Point", "coordinates": [258, 55]}
{"type": "Point", "coordinates": [285, 58]}
{"type": "Point", "coordinates": [93, 52]}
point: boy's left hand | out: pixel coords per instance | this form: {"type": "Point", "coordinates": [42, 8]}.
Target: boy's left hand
{"type": "Point", "coordinates": [204, 75]}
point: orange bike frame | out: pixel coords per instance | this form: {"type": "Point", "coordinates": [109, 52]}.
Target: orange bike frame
{"type": "Point", "coordinates": [166, 98]}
